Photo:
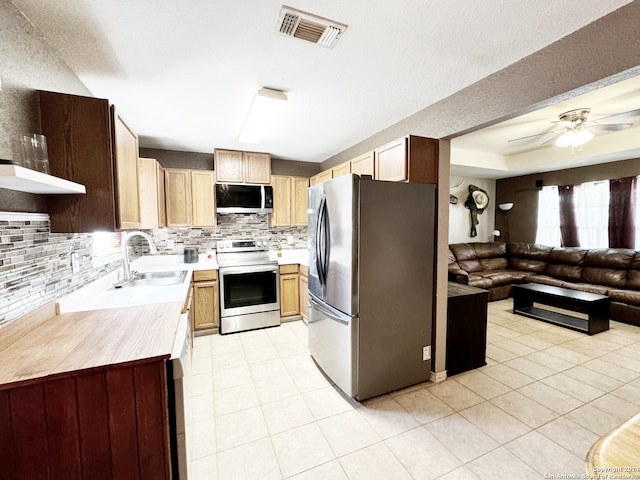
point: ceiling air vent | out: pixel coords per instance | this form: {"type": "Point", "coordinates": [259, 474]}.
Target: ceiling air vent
{"type": "Point", "coordinates": [309, 27]}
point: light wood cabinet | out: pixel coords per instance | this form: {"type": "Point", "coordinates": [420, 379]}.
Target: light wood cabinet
{"type": "Point", "coordinates": [190, 198]}
{"type": "Point", "coordinates": [289, 290]}
{"type": "Point", "coordinates": [408, 159]}
{"type": "Point", "coordinates": [281, 215]}
{"type": "Point", "coordinates": [363, 164]}
{"type": "Point", "coordinates": [392, 161]}
{"type": "Point", "coordinates": [233, 166]}
{"type": "Point", "coordinates": [177, 183]}
{"type": "Point", "coordinates": [340, 170]}
{"type": "Point", "coordinates": [162, 205]}
{"type": "Point", "coordinates": [289, 201]}
{"type": "Point", "coordinates": [205, 300]}
{"type": "Point", "coordinates": [304, 291]}
{"type": "Point", "coordinates": [126, 164]}
{"type": "Point", "coordinates": [89, 143]}
{"type": "Point", "coordinates": [299, 199]}
{"type": "Point", "coordinates": [320, 177]}
{"type": "Point", "coordinates": [152, 209]}
{"type": "Point", "coordinates": [257, 167]}
{"type": "Point", "coordinates": [203, 200]}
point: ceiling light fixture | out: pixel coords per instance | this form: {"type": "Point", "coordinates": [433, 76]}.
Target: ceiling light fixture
{"type": "Point", "coordinates": [574, 137]}
{"type": "Point", "coordinates": [266, 106]}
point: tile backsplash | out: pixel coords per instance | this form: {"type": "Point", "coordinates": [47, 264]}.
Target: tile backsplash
{"type": "Point", "coordinates": [235, 225]}
{"type": "Point", "coordinates": [35, 265]}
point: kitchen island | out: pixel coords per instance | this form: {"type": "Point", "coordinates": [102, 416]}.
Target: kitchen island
{"type": "Point", "coordinates": [84, 386]}
{"type": "Point", "coordinates": [84, 394]}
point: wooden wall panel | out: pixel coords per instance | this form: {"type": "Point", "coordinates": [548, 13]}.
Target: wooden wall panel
{"type": "Point", "coordinates": [63, 436]}
{"type": "Point", "coordinates": [106, 423]}
{"type": "Point", "coordinates": [93, 423]}
{"type": "Point", "coordinates": [30, 432]}
{"type": "Point", "coordinates": [7, 455]}
{"type": "Point", "coordinates": [122, 424]}
{"type": "Point", "coordinates": [152, 421]}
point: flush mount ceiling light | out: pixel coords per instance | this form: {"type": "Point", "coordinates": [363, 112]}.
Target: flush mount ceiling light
{"type": "Point", "coordinates": [266, 106]}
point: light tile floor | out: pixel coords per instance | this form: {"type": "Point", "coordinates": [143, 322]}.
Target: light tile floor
{"type": "Point", "coordinates": [260, 409]}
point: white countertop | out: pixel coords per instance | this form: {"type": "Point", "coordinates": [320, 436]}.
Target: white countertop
{"type": "Point", "coordinates": [101, 293]}
{"type": "Point", "coordinates": [287, 257]}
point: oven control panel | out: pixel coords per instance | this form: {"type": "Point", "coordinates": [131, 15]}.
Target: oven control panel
{"type": "Point", "coordinates": [242, 245]}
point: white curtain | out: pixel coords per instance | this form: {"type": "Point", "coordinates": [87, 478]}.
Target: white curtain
{"type": "Point", "coordinates": [592, 214]}
{"type": "Point", "coordinates": [548, 230]}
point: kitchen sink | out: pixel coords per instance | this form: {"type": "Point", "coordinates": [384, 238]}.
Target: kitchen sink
{"type": "Point", "coordinates": [157, 278]}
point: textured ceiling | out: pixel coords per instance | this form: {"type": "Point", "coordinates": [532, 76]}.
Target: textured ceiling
{"type": "Point", "coordinates": [184, 73]}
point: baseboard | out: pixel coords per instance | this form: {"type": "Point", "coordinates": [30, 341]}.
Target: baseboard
{"type": "Point", "coordinates": [438, 377]}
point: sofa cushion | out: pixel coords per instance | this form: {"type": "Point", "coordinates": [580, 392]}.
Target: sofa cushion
{"type": "Point", "coordinates": [607, 266]}
{"type": "Point", "coordinates": [480, 282]}
{"type": "Point", "coordinates": [498, 263]}
{"type": "Point", "coordinates": [630, 297]}
{"type": "Point", "coordinates": [587, 287]}
{"type": "Point", "coordinates": [504, 277]}
{"type": "Point", "coordinates": [466, 256]}
{"type": "Point", "coordinates": [615, 258]}
{"type": "Point", "coordinates": [490, 249]}
{"type": "Point", "coordinates": [633, 275]}
{"type": "Point", "coordinates": [566, 263]}
{"type": "Point", "coordinates": [544, 279]}
{"type": "Point", "coordinates": [528, 257]}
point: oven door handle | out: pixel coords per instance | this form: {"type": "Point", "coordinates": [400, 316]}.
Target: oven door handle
{"type": "Point", "coordinates": [248, 269]}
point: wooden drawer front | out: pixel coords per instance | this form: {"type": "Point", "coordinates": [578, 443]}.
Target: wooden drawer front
{"type": "Point", "coordinates": [204, 275]}
{"type": "Point", "coordinates": [285, 269]}
{"type": "Point", "coordinates": [304, 270]}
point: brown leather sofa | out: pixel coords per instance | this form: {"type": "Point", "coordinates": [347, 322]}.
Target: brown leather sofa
{"type": "Point", "coordinates": [496, 266]}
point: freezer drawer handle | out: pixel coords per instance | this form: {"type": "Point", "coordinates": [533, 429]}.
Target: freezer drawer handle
{"type": "Point", "coordinates": [332, 313]}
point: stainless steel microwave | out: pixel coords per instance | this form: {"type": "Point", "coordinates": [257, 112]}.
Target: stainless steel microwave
{"type": "Point", "coordinates": [243, 198]}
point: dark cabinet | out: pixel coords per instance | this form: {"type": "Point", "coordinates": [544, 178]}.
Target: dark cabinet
{"type": "Point", "coordinates": [466, 328]}
{"type": "Point", "coordinates": [89, 143]}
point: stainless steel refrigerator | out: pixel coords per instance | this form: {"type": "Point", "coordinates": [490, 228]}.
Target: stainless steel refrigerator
{"type": "Point", "coordinates": [371, 283]}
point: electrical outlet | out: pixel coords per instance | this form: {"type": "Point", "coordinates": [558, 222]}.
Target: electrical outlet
{"type": "Point", "coordinates": [171, 244]}
{"type": "Point", "coordinates": [75, 263]}
{"type": "Point", "coordinates": [426, 353]}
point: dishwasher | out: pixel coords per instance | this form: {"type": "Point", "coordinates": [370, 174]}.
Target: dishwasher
{"type": "Point", "coordinates": [178, 368]}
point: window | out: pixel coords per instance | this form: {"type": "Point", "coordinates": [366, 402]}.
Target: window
{"type": "Point", "coordinates": [592, 214]}
{"type": "Point", "coordinates": [106, 248]}
{"type": "Point", "coordinates": [548, 232]}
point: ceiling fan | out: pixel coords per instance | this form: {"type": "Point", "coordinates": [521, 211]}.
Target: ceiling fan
{"type": "Point", "coordinates": [576, 130]}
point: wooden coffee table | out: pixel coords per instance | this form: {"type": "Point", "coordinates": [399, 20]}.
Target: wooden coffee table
{"type": "Point", "coordinates": [595, 306]}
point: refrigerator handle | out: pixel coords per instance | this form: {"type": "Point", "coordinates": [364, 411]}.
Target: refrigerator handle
{"type": "Point", "coordinates": [325, 233]}
{"type": "Point", "coordinates": [319, 262]}
{"type": "Point", "coordinates": [331, 312]}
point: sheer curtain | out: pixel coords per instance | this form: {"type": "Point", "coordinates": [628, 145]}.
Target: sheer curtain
{"type": "Point", "coordinates": [592, 214]}
{"type": "Point", "coordinates": [548, 230]}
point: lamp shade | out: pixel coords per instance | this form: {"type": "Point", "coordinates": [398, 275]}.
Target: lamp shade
{"type": "Point", "coordinates": [266, 106]}
{"type": "Point", "coordinates": [505, 207]}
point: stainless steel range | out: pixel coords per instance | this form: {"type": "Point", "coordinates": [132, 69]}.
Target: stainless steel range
{"type": "Point", "coordinates": [249, 286]}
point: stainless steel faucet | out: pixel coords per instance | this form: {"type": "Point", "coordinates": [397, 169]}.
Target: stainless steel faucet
{"type": "Point", "coordinates": [126, 266]}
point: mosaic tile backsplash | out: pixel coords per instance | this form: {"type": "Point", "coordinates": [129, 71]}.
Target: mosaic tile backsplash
{"type": "Point", "coordinates": [35, 265]}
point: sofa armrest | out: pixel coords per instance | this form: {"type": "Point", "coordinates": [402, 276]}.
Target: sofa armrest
{"type": "Point", "coordinates": [456, 274]}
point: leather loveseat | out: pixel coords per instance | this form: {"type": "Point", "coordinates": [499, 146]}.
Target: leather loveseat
{"type": "Point", "coordinates": [496, 266]}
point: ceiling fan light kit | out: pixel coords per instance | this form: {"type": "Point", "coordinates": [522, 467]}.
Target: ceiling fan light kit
{"type": "Point", "coordinates": [576, 130]}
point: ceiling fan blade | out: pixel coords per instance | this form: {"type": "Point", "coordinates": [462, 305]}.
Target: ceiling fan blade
{"type": "Point", "coordinates": [536, 135]}
{"type": "Point", "coordinates": [630, 113]}
{"type": "Point", "coordinates": [610, 127]}
{"type": "Point", "coordinates": [553, 139]}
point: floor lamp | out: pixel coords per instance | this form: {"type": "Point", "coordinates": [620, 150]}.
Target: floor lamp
{"type": "Point", "coordinates": [505, 207]}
